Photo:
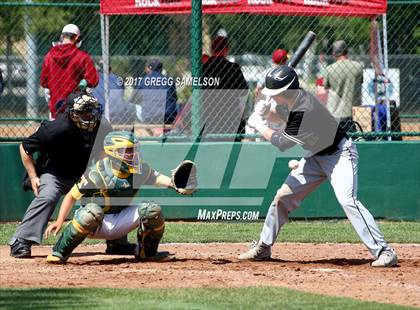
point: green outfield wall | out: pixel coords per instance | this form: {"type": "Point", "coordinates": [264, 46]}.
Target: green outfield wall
{"type": "Point", "coordinates": [238, 180]}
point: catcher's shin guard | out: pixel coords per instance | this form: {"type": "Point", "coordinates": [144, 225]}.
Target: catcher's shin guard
{"type": "Point", "coordinates": [151, 229]}
{"type": "Point", "coordinates": [86, 220]}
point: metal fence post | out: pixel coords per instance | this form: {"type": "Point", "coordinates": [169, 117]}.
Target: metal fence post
{"type": "Point", "coordinates": [388, 108]}
{"type": "Point", "coordinates": [196, 43]}
{"type": "Point", "coordinates": [105, 61]}
{"type": "Point", "coordinates": [31, 60]}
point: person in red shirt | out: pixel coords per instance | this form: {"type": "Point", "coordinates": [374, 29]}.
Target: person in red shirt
{"type": "Point", "coordinates": [279, 58]}
{"type": "Point", "coordinates": [64, 67]}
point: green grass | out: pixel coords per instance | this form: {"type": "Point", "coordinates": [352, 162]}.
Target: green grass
{"type": "Point", "coordinates": [191, 298]}
{"type": "Point", "coordinates": [296, 231]}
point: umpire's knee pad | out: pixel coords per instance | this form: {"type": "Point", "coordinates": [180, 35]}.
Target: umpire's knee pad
{"type": "Point", "coordinates": [89, 217]}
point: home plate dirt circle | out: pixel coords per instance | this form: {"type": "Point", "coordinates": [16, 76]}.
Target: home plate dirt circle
{"type": "Point", "coordinates": [330, 269]}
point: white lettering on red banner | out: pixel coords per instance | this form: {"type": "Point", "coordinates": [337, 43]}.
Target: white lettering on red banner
{"type": "Point", "coordinates": [260, 2]}
{"type": "Point", "coordinates": [147, 3]}
{"type": "Point", "coordinates": [218, 2]}
{"type": "Point", "coordinates": [316, 2]}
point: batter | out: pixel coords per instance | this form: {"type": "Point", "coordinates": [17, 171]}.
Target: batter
{"type": "Point", "coordinates": [331, 155]}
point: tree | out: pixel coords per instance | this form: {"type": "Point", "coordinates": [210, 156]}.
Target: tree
{"type": "Point", "coordinates": [11, 25]}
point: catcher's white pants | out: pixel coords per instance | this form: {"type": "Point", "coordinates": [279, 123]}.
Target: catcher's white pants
{"type": "Point", "coordinates": [115, 226]}
{"type": "Point", "coordinates": [341, 169]}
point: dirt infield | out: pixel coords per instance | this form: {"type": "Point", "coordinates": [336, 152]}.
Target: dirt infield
{"type": "Point", "coordinates": [331, 269]}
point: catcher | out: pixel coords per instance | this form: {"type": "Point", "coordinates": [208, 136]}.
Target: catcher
{"type": "Point", "coordinates": [107, 189]}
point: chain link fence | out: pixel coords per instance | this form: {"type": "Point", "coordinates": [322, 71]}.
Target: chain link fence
{"type": "Point", "coordinates": [159, 103]}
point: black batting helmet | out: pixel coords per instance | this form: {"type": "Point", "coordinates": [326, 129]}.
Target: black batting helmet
{"type": "Point", "coordinates": [279, 79]}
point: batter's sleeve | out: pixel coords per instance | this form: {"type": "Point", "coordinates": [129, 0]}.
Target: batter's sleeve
{"type": "Point", "coordinates": [285, 139]}
{"type": "Point", "coordinates": [292, 134]}
{"type": "Point", "coordinates": [299, 130]}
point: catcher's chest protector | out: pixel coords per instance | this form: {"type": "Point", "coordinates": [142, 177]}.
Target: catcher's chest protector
{"type": "Point", "coordinates": [104, 183]}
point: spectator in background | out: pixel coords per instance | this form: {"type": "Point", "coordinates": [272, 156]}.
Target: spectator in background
{"type": "Point", "coordinates": [321, 92]}
{"type": "Point", "coordinates": [1, 83]}
{"type": "Point", "coordinates": [278, 58]}
{"type": "Point", "coordinates": [224, 103]}
{"type": "Point", "coordinates": [155, 96]}
{"type": "Point", "coordinates": [64, 67]}
{"type": "Point", "coordinates": [120, 112]}
{"type": "Point", "coordinates": [343, 82]}
{"type": "Point", "coordinates": [204, 58]}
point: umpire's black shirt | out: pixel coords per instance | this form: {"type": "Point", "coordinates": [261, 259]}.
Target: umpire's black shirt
{"type": "Point", "coordinates": [310, 125]}
{"type": "Point", "coordinates": [67, 149]}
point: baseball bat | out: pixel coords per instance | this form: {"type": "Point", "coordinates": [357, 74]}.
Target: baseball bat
{"type": "Point", "coordinates": [301, 50]}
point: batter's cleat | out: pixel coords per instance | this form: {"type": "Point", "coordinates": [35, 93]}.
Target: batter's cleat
{"type": "Point", "coordinates": [51, 259]}
{"type": "Point", "coordinates": [21, 248]}
{"type": "Point", "coordinates": [113, 248]}
{"type": "Point", "coordinates": [388, 258]}
{"type": "Point", "coordinates": [257, 251]}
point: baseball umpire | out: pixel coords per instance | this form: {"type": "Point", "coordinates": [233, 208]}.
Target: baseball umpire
{"type": "Point", "coordinates": [332, 155]}
{"type": "Point", "coordinates": [65, 146]}
{"type": "Point", "coordinates": [106, 191]}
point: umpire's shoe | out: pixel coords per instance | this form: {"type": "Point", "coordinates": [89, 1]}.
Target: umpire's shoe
{"type": "Point", "coordinates": [388, 258]}
{"type": "Point", "coordinates": [258, 251]}
{"type": "Point", "coordinates": [21, 248]}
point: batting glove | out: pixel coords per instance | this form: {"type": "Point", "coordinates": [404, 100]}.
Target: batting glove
{"type": "Point", "coordinates": [263, 107]}
{"type": "Point", "coordinates": [257, 122]}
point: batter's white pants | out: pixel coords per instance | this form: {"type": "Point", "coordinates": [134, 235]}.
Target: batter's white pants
{"type": "Point", "coordinates": [341, 169]}
{"type": "Point", "coordinates": [115, 226]}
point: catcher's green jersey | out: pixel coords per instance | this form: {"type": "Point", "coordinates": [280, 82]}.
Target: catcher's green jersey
{"type": "Point", "coordinates": [110, 188]}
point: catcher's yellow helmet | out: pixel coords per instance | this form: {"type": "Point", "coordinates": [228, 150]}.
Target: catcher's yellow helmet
{"type": "Point", "coordinates": [123, 149]}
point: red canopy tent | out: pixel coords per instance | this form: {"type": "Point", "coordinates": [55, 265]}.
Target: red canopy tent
{"type": "Point", "coordinates": [344, 8]}
{"type": "Point", "coordinates": [359, 8]}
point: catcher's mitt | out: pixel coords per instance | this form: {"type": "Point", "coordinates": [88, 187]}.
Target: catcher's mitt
{"type": "Point", "coordinates": [184, 177]}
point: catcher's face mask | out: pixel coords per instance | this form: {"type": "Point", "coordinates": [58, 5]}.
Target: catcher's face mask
{"type": "Point", "coordinates": [123, 147]}
{"type": "Point", "coordinates": [131, 157]}
{"type": "Point", "coordinates": [85, 112]}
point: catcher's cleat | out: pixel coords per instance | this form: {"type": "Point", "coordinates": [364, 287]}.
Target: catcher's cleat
{"type": "Point", "coordinates": [160, 257]}
{"type": "Point", "coordinates": [120, 248]}
{"type": "Point", "coordinates": [51, 259]}
{"type": "Point", "coordinates": [388, 258]}
{"type": "Point", "coordinates": [257, 251]}
{"type": "Point", "coordinates": [21, 248]}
